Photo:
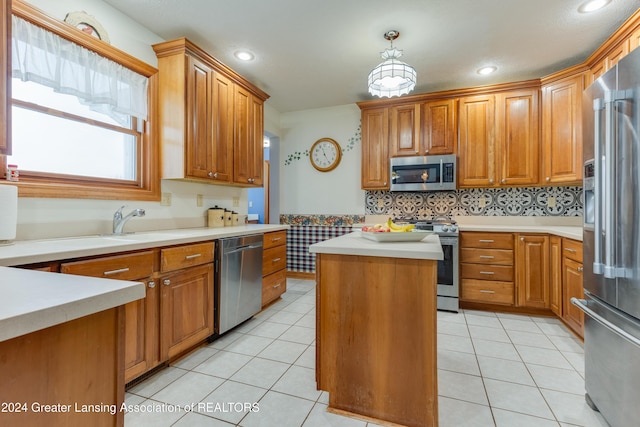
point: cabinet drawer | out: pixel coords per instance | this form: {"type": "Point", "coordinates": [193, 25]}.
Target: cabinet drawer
{"type": "Point", "coordinates": [502, 273]}
{"type": "Point", "coordinates": [487, 256]}
{"type": "Point", "coordinates": [273, 286]}
{"type": "Point", "coordinates": [572, 249]}
{"type": "Point", "coordinates": [274, 259]}
{"type": "Point", "coordinates": [486, 240]}
{"type": "Point", "coordinates": [122, 267]}
{"type": "Point", "coordinates": [487, 291]}
{"type": "Point", "coordinates": [275, 238]}
{"type": "Point", "coordinates": [185, 256]}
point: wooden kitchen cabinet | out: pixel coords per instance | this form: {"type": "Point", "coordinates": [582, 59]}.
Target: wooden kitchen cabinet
{"type": "Point", "coordinates": [476, 144]}
{"type": "Point", "coordinates": [211, 118]}
{"type": "Point", "coordinates": [562, 131]}
{"type": "Point", "coordinates": [420, 129]}
{"type": "Point", "coordinates": [486, 268]}
{"type": "Point", "coordinates": [572, 276]}
{"type": "Point", "coordinates": [274, 266]}
{"type": "Point", "coordinates": [532, 270]}
{"type": "Point", "coordinates": [375, 149]}
{"type": "Point", "coordinates": [5, 78]}
{"type": "Point", "coordinates": [141, 316]}
{"type": "Point", "coordinates": [555, 275]}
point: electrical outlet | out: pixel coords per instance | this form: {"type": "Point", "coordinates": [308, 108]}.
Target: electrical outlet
{"type": "Point", "coordinates": [236, 202]}
{"type": "Point", "coordinates": [166, 199]}
{"type": "Point", "coordinates": [199, 200]}
{"type": "Point", "coordinates": [380, 203]}
{"type": "Point", "coordinates": [482, 202]}
{"type": "Point", "coordinates": [250, 204]}
{"type": "Point", "coordinates": [551, 201]}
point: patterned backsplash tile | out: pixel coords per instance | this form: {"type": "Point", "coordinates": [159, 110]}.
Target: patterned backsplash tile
{"type": "Point", "coordinates": [516, 201]}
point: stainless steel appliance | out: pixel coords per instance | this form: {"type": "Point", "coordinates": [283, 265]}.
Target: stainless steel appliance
{"type": "Point", "coordinates": [239, 280]}
{"type": "Point", "coordinates": [423, 173]}
{"type": "Point", "coordinates": [448, 282]}
{"type": "Point", "coordinates": [611, 239]}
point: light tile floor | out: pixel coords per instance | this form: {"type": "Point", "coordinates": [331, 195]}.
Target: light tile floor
{"type": "Point", "coordinates": [494, 369]}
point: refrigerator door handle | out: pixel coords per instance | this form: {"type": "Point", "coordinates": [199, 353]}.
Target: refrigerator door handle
{"type": "Point", "coordinates": [598, 266]}
{"type": "Point", "coordinates": [609, 187]}
{"type": "Point", "coordinates": [583, 305]}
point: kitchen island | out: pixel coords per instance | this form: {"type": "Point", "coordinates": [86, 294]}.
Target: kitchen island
{"type": "Point", "coordinates": [62, 348]}
{"type": "Point", "coordinates": [376, 328]}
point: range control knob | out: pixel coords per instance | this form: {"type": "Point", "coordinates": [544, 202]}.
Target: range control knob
{"type": "Point", "coordinates": [446, 228]}
{"type": "Point", "coordinates": [454, 228]}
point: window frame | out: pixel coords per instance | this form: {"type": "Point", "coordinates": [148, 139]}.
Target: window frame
{"type": "Point", "coordinates": [147, 185]}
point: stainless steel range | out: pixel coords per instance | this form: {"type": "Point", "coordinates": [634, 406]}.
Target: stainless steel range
{"type": "Point", "coordinates": [448, 283]}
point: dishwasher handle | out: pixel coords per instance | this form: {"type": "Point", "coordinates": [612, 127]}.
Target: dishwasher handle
{"type": "Point", "coordinates": [242, 248]}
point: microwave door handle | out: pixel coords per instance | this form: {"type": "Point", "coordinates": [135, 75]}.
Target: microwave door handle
{"type": "Point", "coordinates": [441, 172]}
{"type": "Point", "coordinates": [598, 266]}
{"type": "Point", "coordinates": [609, 187]}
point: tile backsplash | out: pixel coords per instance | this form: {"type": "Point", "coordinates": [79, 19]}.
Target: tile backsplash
{"type": "Point", "coordinates": [515, 201]}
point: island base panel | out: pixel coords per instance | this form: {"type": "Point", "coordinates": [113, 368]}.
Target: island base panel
{"type": "Point", "coordinates": [376, 337]}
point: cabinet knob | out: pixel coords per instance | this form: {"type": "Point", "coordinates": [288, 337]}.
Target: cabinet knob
{"type": "Point", "coordinates": [579, 268]}
{"type": "Point", "coordinates": [166, 282]}
{"type": "Point", "coordinates": [491, 181]}
{"type": "Point", "coordinates": [151, 284]}
{"type": "Point", "coordinates": [548, 179]}
{"type": "Point", "coordinates": [426, 151]}
{"type": "Point", "coordinates": [417, 152]}
{"type": "Point", "coordinates": [503, 181]}
{"type": "Point", "coordinates": [210, 174]}
{"type": "Point", "coordinates": [522, 239]}
{"type": "Point", "coordinates": [384, 183]}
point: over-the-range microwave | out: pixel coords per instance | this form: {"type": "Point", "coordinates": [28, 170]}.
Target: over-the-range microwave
{"type": "Point", "coordinates": [423, 173]}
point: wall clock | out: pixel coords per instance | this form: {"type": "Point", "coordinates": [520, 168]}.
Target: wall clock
{"type": "Point", "coordinates": [88, 24]}
{"type": "Point", "coordinates": [325, 154]}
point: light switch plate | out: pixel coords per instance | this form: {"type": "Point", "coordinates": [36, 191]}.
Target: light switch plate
{"type": "Point", "coordinates": [166, 199]}
{"type": "Point", "coordinates": [482, 202]}
{"type": "Point", "coordinates": [199, 200]}
{"type": "Point", "coordinates": [236, 202]}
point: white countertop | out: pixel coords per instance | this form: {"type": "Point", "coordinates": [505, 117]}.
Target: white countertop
{"type": "Point", "coordinates": [34, 251]}
{"type": "Point", "coordinates": [353, 244]}
{"type": "Point", "coordinates": [33, 300]}
{"type": "Point", "coordinates": [570, 227]}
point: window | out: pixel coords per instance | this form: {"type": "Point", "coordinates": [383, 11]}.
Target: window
{"type": "Point", "coordinates": [79, 115]}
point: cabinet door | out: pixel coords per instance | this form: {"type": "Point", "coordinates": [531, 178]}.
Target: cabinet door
{"type": "Point", "coordinates": [404, 130]}
{"type": "Point", "coordinates": [573, 287]}
{"type": "Point", "coordinates": [562, 131]}
{"type": "Point", "coordinates": [617, 54]}
{"type": "Point", "coordinates": [141, 333]}
{"type": "Point", "coordinates": [256, 157]}
{"type": "Point", "coordinates": [375, 151]}
{"type": "Point", "coordinates": [221, 128]}
{"type": "Point", "coordinates": [532, 270]}
{"type": "Point", "coordinates": [438, 127]}
{"type": "Point", "coordinates": [247, 159]}
{"type": "Point", "coordinates": [476, 164]}
{"type": "Point", "coordinates": [186, 305]}
{"type": "Point", "coordinates": [5, 80]}
{"type": "Point", "coordinates": [517, 138]}
{"type": "Point", "coordinates": [199, 145]}
{"type": "Point", "coordinates": [634, 40]}
{"type": "Point", "coordinates": [555, 275]}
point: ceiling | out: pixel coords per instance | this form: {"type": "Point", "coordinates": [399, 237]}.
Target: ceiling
{"type": "Point", "coordinates": [312, 54]}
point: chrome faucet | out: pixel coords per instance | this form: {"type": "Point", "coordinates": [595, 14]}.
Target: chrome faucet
{"type": "Point", "coordinates": [119, 221]}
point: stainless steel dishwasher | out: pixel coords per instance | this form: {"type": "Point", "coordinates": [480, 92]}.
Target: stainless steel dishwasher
{"type": "Point", "coordinates": [239, 280]}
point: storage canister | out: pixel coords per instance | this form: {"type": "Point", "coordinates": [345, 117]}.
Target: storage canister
{"type": "Point", "coordinates": [228, 218]}
{"type": "Point", "coordinates": [215, 217]}
{"type": "Point", "coordinates": [234, 218]}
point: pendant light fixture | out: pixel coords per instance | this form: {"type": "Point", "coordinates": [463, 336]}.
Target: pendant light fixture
{"type": "Point", "coordinates": [391, 77]}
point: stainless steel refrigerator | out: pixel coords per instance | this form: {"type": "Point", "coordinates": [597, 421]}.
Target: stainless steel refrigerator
{"type": "Point", "coordinates": [611, 239]}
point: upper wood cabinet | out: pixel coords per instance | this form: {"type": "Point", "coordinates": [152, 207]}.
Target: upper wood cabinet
{"type": "Point", "coordinates": [476, 149]}
{"type": "Point", "coordinates": [562, 131]}
{"type": "Point", "coordinates": [5, 79]}
{"type": "Point", "coordinates": [211, 119]}
{"type": "Point", "coordinates": [375, 151]}
{"type": "Point", "coordinates": [421, 129]}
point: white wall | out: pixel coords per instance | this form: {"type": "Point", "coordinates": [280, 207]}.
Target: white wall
{"type": "Point", "coordinates": [304, 190]}
{"type": "Point", "coordinates": [46, 218]}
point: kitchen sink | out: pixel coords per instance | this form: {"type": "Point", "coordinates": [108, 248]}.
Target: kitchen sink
{"type": "Point", "coordinates": [143, 237]}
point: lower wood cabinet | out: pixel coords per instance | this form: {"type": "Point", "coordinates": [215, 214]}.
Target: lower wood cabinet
{"type": "Point", "coordinates": [532, 270]}
{"type": "Point", "coordinates": [274, 266]}
{"type": "Point", "coordinates": [572, 284]}
{"type": "Point", "coordinates": [555, 275]}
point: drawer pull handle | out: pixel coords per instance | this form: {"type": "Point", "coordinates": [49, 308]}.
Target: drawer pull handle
{"type": "Point", "coordinates": [193, 256]}
{"type": "Point", "coordinates": [486, 272]}
{"type": "Point", "coordinates": [276, 259]}
{"type": "Point", "coordinates": [485, 291]}
{"type": "Point", "coordinates": [275, 239]}
{"type": "Point", "coordinates": [120, 270]}
{"type": "Point", "coordinates": [486, 241]}
{"type": "Point", "coordinates": [573, 251]}
{"type": "Point", "coordinates": [486, 256]}
{"type": "Point", "coordinates": [277, 286]}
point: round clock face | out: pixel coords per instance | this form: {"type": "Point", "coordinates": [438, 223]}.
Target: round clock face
{"type": "Point", "coordinates": [325, 154]}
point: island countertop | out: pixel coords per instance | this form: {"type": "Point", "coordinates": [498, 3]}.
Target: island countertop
{"type": "Point", "coordinates": [354, 244]}
{"type": "Point", "coordinates": [33, 300]}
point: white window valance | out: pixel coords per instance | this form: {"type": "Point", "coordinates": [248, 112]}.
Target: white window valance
{"type": "Point", "coordinates": [43, 57]}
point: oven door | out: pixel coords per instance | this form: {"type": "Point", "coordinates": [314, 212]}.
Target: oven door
{"type": "Point", "coordinates": [448, 268]}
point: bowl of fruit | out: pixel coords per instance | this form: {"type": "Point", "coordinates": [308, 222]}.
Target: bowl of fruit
{"type": "Point", "coordinates": [392, 232]}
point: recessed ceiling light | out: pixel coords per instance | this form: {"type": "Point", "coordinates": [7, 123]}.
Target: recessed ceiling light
{"type": "Point", "coordinates": [593, 5]}
{"type": "Point", "coordinates": [487, 70]}
{"type": "Point", "coordinates": [244, 55]}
